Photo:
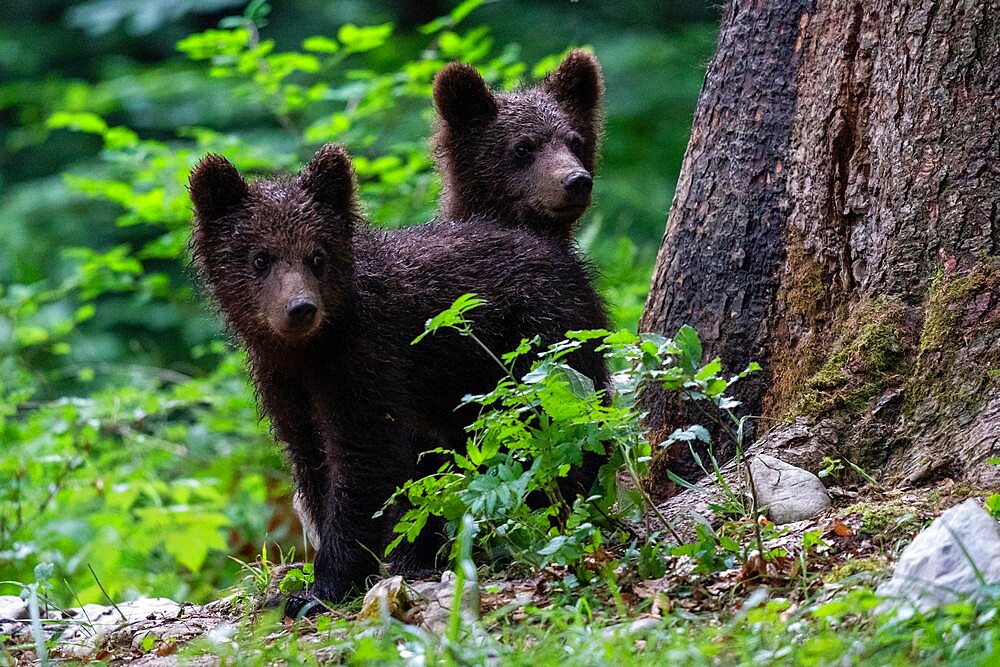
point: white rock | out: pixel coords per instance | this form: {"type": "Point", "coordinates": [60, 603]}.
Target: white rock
{"type": "Point", "coordinates": [789, 493]}
{"type": "Point", "coordinates": [441, 601]}
{"type": "Point", "coordinates": [389, 597]}
{"type": "Point", "coordinates": [12, 608]}
{"type": "Point", "coordinates": [946, 560]}
{"type": "Point", "coordinates": [12, 612]}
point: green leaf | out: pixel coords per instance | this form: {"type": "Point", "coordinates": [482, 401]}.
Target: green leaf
{"type": "Point", "coordinates": [295, 580]}
{"type": "Point", "coordinates": [475, 456]}
{"type": "Point", "coordinates": [464, 9]}
{"type": "Point", "coordinates": [622, 337]}
{"type": "Point", "coordinates": [752, 367]}
{"type": "Point", "coordinates": [522, 349]}
{"type": "Point", "coordinates": [715, 386]}
{"type": "Point", "coordinates": [82, 121]}
{"type": "Point", "coordinates": [186, 533]}
{"type": "Point", "coordinates": [30, 335]}
{"type": "Point", "coordinates": [689, 349]}
{"type": "Point", "coordinates": [320, 44]}
{"type": "Point", "coordinates": [328, 129]}
{"type": "Point", "coordinates": [455, 17]}
{"type": "Point", "coordinates": [357, 39]}
{"type": "Point", "coordinates": [453, 317]}
{"type": "Point", "coordinates": [709, 370]}
{"type": "Point", "coordinates": [215, 43]}
{"type": "Point", "coordinates": [993, 504]}
{"type": "Point", "coordinates": [581, 386]}
{"type": "Point", "coordinates": [690, 434]}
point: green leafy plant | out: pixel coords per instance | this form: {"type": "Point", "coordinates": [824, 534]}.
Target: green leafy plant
{"type": "Point", "coordinates": [535, 427]}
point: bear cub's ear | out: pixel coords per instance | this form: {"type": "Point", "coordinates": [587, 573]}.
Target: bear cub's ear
{"type": "Point", "coordinates": [216, 188]}
{"type": "Point", "coordinates": [577, 83]}
{"type": "Point", "coordinates": [462, 97]}
{"type": "Point", "coordinates": [329, 178]}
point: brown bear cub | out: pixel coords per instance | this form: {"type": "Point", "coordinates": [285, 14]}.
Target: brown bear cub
{"type": "Point", "coordinates": [327, 308]}
{"type": "Point", "coordinates": [524, 158]}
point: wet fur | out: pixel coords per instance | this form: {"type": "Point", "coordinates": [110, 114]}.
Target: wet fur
{"type": "Point", "coordinates": [353, 401]}
{"type": "Point", "coordinates": [478, 131]}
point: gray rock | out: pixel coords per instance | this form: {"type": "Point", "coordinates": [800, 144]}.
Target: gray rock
{"type": "Point", "coordinates": [12, 608]}
{"type": "Point", "coordinates": [389, 597]}
{"type": "Point", "coordinates": [13, 615]}
{"type": "Point", "coordinates": [441, 599]}
{"type": "Point", "coordinates": [789, 493]}
{"type": "Point", "coordinates": [952, 558]}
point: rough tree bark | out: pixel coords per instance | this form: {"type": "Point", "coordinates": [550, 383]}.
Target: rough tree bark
{"type": "Point", "coordinates": [836, 219]}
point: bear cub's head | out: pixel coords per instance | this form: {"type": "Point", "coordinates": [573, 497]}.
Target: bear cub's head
{"type": "Point", "coordinates": [275, 253]}
{"type": "Point", "coordinates": [525, 158]}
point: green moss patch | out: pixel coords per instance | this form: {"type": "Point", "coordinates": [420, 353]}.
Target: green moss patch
{"type": "Point", "coordinates": [879, 517]}
{"type": "Point", "coordinates": [946, 304]}
{"type": "Point", "coordinates": [865, 359]}
{"type": "Point", "coordinates": [962, 312]}
{"type": "Point", "coordinates": [854, 567]}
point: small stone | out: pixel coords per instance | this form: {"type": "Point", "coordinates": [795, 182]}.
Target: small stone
{"type": "Point", "coordinates": [438, 612]}
{"type": "Point", "coordinates": [389, 597]}
{"type": "Point", "coordinates": [789, 493]}
{"type": "Point", "coordinates": [12, 612]}
{"type": "Point", "coordinates": [956, 556]}
{"type": "Point", "coordinates": [222, 633]}
{"type": "Point", "coordinates": [12, 608]}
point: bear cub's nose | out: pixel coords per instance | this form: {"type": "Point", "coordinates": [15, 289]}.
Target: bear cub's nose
{"type": "Point", "coordinates": [301, 312]}
{"type": "Point", "coordinates": [578, 184]}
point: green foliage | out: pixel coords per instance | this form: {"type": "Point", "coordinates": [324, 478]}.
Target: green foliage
{"type": "Point", "coordinates": [297, 580]}
{"type": "Point", "coordinates": [534, 428]}
{"type": "Point", "coordinates": [105, 480]}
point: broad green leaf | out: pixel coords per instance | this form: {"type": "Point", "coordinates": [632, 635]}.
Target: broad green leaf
{"type": "Point", "coordinates": [710, 369]}
{"type": "Point", "coordinates": [357, 39]}
{"type": "Point", "coordinates": [320, 44]}
{"type": "Point", "coordinates": [689, 349]}
{"type": "Point", "coordinates": [81, 121]}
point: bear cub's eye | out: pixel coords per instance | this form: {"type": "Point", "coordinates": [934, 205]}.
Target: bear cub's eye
{"type": "Point", "coordinates": [316, 261]}
{"type": "Point", "coordinates": [523, 150]}
{"type": "Point", "coordinates": [261, 262]}
{"type": "Point", "coordinates": [576, 144]}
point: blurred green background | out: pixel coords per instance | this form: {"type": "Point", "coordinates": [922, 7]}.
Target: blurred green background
{"type": "Point", "coordinates": [128, 437]}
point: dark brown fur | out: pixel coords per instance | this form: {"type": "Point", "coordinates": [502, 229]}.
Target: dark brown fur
{"type": "Point", "coordinates": [524, 158]}
{"type": "Point", "coordinates": [351, 398]}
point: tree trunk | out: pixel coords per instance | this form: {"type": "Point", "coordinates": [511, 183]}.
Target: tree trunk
{"type": "Point", "coordinates": [836, 220]}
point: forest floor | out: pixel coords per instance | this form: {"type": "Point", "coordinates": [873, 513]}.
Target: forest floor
{"type": "Point", "coordinates": [807, 598]}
